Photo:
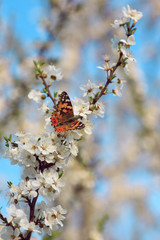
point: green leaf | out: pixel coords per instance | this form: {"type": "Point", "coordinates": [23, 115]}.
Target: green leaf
{"type": "Point", "coordinates": [42, 63]}
{"type": "Point", "coordinates": [124, 59]}
{"type": "Point", "coordinates": [102, 222]}
{"type": "Point", "coordinates": [54, 235]}
{"type": "Point", "coordinates": [55, 94]}
{"type": "Point", "coordinates": [128, 24]}
{"type": "Point", "coordinates": [94, 107]}
{"type": "Point", "coordinates": [60, 174]}
{"type": "Point", "coordinates": [78, 139]}
{"type": "Point", "coordinates": [6, 138]}
{"type": "Point", "coordinates": [44, 90]}
{"type": "Point", "coordinates": [9, 184]}
{"type": "Point", "coordinates": [120, 45]}
{"type": "Point", "coordinates": [113, 76]}
{"type": "Point", "coordinates": [38, 71]}
{"type": "Point", "coordinates": [10, 137]}
{"type": "Point", "coordinates": [133, 30]}
{"type": "Point", "coordinates": [106, 91]}
{"type": "Point", "coordinates": [96, 95]}
{"type": "Point", "coordinates": [90, 99]}
{"type": "Point", "coordinates": [35, 63]}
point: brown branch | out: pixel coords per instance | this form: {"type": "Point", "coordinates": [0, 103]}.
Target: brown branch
{"type": "Point", "coordinates": [48, 91]}
{"type": "Point", "coordinates": [5, 220]}
{"type": "Point", "coordinates": [31, 217]}
{"type": "Point", "coordinates": [109, 79]}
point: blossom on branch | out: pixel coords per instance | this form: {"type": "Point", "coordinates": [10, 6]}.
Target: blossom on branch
{"type": "Point", "coordinates": [132, 13]}
{"type": "Point", "coordinates": [45, 156]}
{"type": "Point", "coordinates": [36, 95]}
{"type": "Point", "coordinates": [129, 41]}
{"type": "Point", "coordinates": [53, 73]}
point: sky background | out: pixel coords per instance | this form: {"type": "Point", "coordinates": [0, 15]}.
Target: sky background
{"type": "Point", "coordinates": [26, 15]}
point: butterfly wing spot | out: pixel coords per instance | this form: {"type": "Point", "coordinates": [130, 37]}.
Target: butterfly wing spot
{"type": "Point", "coordinates": [54, 119]}
{"type": "Point", "coordinates": [64, 110]}
{"type": "Point", "coordinates": [69, 110]}
{"type": "Point", "coordinates": [62, 129]}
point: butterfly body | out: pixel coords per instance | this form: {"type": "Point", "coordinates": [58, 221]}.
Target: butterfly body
{"type": "Point", "coordinates": [63, 118]}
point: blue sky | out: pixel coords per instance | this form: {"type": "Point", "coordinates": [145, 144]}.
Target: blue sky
{"type": "Point", "coordinates": [26, 16]}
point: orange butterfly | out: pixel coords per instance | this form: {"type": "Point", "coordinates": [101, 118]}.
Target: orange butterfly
{"type": "Point", "coordinates": [63, 118]}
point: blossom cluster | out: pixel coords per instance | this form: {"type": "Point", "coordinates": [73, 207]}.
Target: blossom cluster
{"type": "Point", "coordinates": [121, 47]}
{"type": "Point", "coordinates": [43, 168]}
{"type": "Point", "coordinates": [44, 157]}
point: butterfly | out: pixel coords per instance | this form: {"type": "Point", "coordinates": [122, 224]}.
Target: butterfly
{"type": "Point", "coordinates": [63, 118]}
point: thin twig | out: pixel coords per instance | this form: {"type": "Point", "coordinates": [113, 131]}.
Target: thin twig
{"type": "Point", "coordinates": [109, 79]}
{"type": "Point", "coordinates": [48, 91]}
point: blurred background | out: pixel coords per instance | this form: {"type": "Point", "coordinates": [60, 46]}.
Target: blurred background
{"type": "Point", "coordinates": [112, 189]}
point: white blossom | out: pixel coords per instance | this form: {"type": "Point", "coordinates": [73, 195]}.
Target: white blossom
{"type": "Point", "coordinates": [73, 135]}
{"type": "Point", "coordinates": [36, 95]}
{"type": "Point", "coordinates": [73, 148]}
{"type": "Point", "coordinates": [127, 54]}
{"type": "Point", "coordinates": [45, 109]}
{"type": "Point", "coordinates": [46, 146]}
{"type": "Point", "coordinates": [99, 109]}
{"type": "Point", "coordinates": [81, 107]}
{"type": "Point", "coordinates": [118, 23]}
{"type": "Point", "coordinates": [10, 233]}
{"type": "Point", "coordinates": [24, 137]}
{"type": "Point", "coordinates": [132, 13]}
{"type": "Point", "coordinates": [63, 152]}
{"type": "Point", "coordinates": [121, 83]}
{"type": "Point", "coordinates": [30, 226]}
{"type": "Point", "coordinates": [26, 159]}
{"type": "Point", "coordinates": [31, 146]}
{"type": "Point", "coordinates": [49, 158]}
{"type": "Point", "coordinates": [41, 207]}
{"type": "Point", "coordinates": [117, 91]}
{"type": "Point", "coordinates": [105, 67]}
{"type": "Point", "coordinates": [16, 214]}
{"type": "Point", "coordinates": [12, 153]}
{"type": "Point", "coordinates": [48, 127]}
{"type": "Point", "coordinates": [115, 41]}
{"type": "Point", "coordinates": [129, 41]}
{"type": "Point", "coordinates": [88, 127]}
{"type": "Point", "coordinates": [16, 193]}
{"type": "Point", "coordinates": [48, 184]}
{"type": "Point", "coordinates": [89, 88]}
{"type": "Point", "coordinates": [29, 171]}
{"type": "Point", "coordinates": [54, 217]}
{"type": "Point", "coordinates": [53, 73]}
{"type": "Point", "coordinates": [28, 189]}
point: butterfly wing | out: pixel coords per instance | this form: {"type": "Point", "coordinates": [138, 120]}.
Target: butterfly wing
{"type": "Point", "coordinates": [64, 106]}
{"type": "Point", "coordinates": [74, 125]}
{"type": "Point", "coordinates": [64, 110]}
{"type": "Point", "coordinates": [63, 118]}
